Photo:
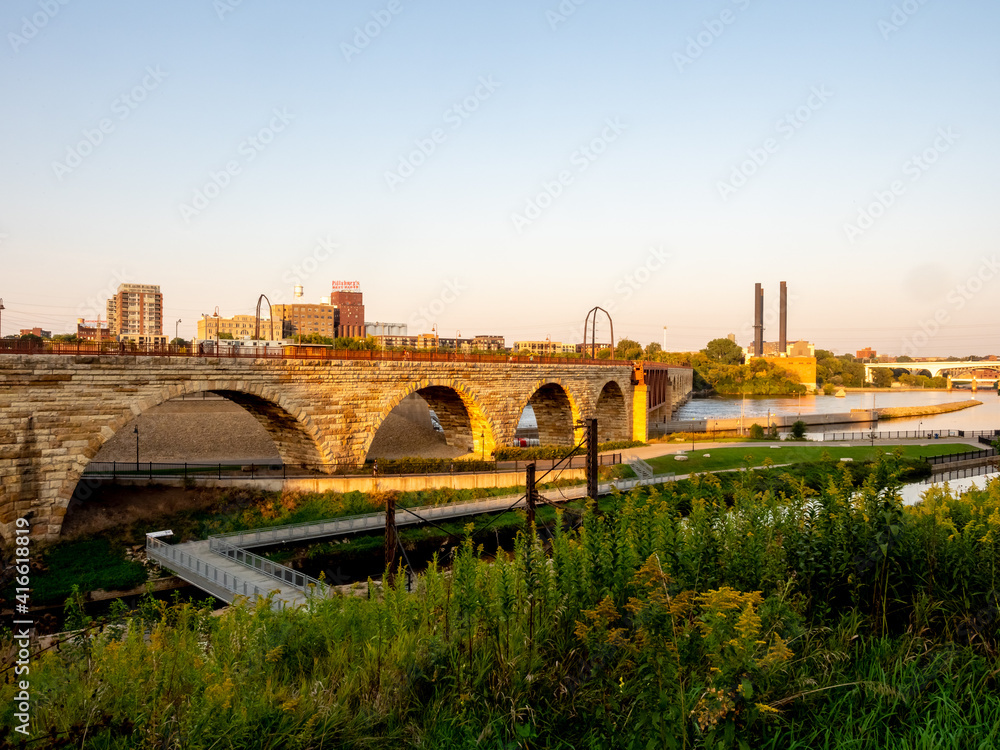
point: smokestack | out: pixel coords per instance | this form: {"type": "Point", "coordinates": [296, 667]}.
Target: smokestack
{"type": "Point", "coordinates": [783, 320]}
{"type": "Point", "coordinates": [758, 321]}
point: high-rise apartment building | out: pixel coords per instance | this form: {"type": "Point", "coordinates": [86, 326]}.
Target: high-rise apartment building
{"type": "Point", "coordinates": [135, 314]}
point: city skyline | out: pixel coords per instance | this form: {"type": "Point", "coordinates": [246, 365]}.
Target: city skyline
{"type": "Point", "coordinates": [511, 167]}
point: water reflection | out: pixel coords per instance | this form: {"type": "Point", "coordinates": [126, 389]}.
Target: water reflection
{"type": "Point", "coordinates": [983, 417]}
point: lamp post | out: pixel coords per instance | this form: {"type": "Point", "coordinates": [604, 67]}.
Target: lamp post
{"type": "Point", "coordinates": [175, 328]}
{"type": "Point", "coordinates": [482, 442]}
{"type": "Point", "coordinates": [135, 430]}
{"type": "Point", "coordinates": [920, 425]}
{"type": "Point", "coordinates": [1, 318]}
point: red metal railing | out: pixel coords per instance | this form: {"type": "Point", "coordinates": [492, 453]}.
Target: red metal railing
{"type": "Point", "coordinates": [291, 351]}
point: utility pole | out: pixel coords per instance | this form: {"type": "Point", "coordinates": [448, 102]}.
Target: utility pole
{"type": "Point", "coordinates": [390, 538]}
{"type": "Point", "coordinates": [529, 482]}
{"type": "Point", "coordinates": [592, 488]}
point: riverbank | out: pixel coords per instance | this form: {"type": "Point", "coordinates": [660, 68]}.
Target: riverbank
{"type": "Point", "coordinates": [898, 412]}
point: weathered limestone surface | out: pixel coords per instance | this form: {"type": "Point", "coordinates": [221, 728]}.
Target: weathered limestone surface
{"type": "Point", "coordinates": [57, 411]}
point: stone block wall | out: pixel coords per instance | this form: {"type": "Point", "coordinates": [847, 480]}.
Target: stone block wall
{"type": "Point", "coordinates": [56, 411]}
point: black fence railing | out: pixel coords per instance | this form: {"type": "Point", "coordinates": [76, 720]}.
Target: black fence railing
{"type": "Point", "coordinates": [954, 457]}
{"type": "Point", "coordinates": [889, 434]}
{"type": "Point", "coordinates": [980, 434]}
{"type": "Point", "coordinates": [965, 473]}
{"type": "Point", "coordinates": [151, 470]}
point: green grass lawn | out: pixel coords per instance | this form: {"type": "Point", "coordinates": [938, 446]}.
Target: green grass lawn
{"type": "Point", "coordinates": [789, 453]}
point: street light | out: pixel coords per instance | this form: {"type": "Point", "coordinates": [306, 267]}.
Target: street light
{"type": "Point", "coordinates": [1, 317]}
{"type": "Point", "coordinates": [482, 442]}
{"type": "Point", "coordinates": [136, 431]}
{"type": "Point", "coordinates": [175, 328]}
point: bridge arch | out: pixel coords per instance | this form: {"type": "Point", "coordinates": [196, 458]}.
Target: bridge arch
{"type": "Point", "coordinates": [611, 411]}
{"type": "Point", "coordinates": [557, 413]}
{"type": "Point", "coordinates": [465, 422]}
{"type": "Point", "coordinates": [296, 438]}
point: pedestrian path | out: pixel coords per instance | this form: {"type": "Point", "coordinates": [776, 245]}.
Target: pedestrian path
{"type": "Point", "coordinates": [224, 567]}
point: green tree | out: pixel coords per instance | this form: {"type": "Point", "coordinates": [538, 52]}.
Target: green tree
{"type": "Point", "coordinates": [178, 342]}
{"type": "Point", "coordinates": [882, 378]}
{"type": "Point", "coordinates": [723, 350]}
{"type": "Point", "coordinates": [653, 351]}
{"type": "Point", "coordinates": [628, 349]}
{"type": "Point", "coordinates": [225, 336]}
{"type": "Point", "coordinates": [799, 429]}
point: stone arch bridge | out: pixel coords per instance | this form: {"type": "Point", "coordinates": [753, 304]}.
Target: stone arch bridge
{"type": "Point", "coordinates": [57, 411]}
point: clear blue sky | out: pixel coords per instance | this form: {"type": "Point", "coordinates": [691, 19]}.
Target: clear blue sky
{"type": "Point", "coordinates": [680, 152]}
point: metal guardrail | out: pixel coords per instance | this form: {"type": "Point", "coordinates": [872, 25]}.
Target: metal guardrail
{"type": "Point", "coordinates": [276, 470]}
{"type": "Point", "coordinates": [282, 573]}
{"type": "Point", "coordinates": [642, 469]}
{"type": "Point", "coordinates": [352, 524]}
{"type": "Point", "coordinates": [953, 457]}
{"type": "Point", "coordinates": [174, 556]}
{"type": "Point", "coordinates": [293, 351]}
{"type": "Point", "coordinates": [973, 471]}
{"type": "Point", "coordinates": [887, 435]}
{"type": "Point", "coordinates": [627, 484]}
{"type": "Point", "coordinates": [979, 433]}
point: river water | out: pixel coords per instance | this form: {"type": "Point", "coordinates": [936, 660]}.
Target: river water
{"type": "Point", "coordinates": [984, 417]}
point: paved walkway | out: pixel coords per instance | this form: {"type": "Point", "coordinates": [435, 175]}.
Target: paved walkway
{"type": "Point", "coordinates": [223, 567]}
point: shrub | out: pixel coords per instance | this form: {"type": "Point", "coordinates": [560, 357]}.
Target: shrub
{"type": "Point", "coordinates": [799, 430]}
